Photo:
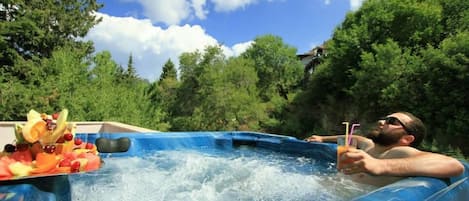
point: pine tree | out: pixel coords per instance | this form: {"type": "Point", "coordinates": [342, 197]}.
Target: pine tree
{"type": "Point", "coordinates": [131, 73]}
{"type": "Point", "coordinates": [169, 71]}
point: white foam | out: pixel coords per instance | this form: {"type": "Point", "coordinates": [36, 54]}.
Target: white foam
{"type": "Point", "coordinates": [190, 175]}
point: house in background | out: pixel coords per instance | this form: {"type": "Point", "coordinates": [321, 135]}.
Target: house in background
{"type": "Point", "coordinates": [310, 60]}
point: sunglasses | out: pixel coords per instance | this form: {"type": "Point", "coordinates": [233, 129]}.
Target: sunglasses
{"type": "Point", "coordinates": [396, 121]}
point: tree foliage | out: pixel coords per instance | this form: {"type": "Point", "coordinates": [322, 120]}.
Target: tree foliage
{"type": "Point", "coordinates": [396, 56]}
{"type": "Point", "coordinates": [216, 93]}
{"type": "Point", "coordinates": [169, 71]}
{"type": "Point", "coordinates": [34, 28]}
{"type": "Point", "coordinates": [277, 66]}
{"type": "Point", "coordinates": [280, 74]}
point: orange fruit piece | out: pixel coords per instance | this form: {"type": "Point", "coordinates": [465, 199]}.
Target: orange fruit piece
{"type": "Point", "coordinates": [63, 148]}
{"type": "Point", "coordinates": [45, 162]}
{"type": "Point", "coordinates": [63, 169]}
{"type": "Point", "coordinates": [34, 130]}
{"type": "Point", "coordinates": [57, 170]}
{"type": "Point", "coordinates": [45, 159]}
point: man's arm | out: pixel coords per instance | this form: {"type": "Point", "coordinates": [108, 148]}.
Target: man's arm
{"type": "Point", "coordinates": [360, 141]}
{"type": "Point", "coordinates": [328, 138]}
{"type": "Point", "coordinates": [419, 163]}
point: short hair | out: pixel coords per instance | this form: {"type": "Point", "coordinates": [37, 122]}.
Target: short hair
{"type": "Point", "coordinates": [417, 129]}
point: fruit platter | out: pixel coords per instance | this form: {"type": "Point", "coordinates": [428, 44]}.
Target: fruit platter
{"type": "Point", "coordinates": [46, 146]}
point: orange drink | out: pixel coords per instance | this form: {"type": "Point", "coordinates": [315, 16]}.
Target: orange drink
{"type": "Point", "coordinates": [341, 149]}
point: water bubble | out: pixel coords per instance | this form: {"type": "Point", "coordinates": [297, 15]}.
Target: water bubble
{"type": "Point", "coordinates": [244, 174]}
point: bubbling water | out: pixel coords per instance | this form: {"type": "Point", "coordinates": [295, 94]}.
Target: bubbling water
{"type": "Point", "coordinates": [240, 174]}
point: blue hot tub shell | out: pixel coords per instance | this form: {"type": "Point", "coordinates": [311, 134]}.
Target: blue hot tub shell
{"type": "Point", "coordinates": [414, 188]}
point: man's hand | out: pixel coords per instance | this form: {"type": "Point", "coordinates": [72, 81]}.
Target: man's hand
{"type": "Point", "coordinates": [314, 138]}
{"type": "Point", "coordinates": [362, 163]}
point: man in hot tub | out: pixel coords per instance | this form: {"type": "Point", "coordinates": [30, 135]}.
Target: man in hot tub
{"type": "Point", "coordinates": [388, 154]}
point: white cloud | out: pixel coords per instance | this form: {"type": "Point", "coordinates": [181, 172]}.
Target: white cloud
{"type": "Point", "coordinates": [175, 11]}
{"type": "Point", "coordinates": [237, 49]}
{"type": "Point", "coordinates": [198, 6]}
{"type": "Point", "coordinates": [355, 4]}
{"type": "Point", "coordinates": [241, 47]}
{"type": "Point", "coordinates": [231, 5]}
{"type": "Point", "coordinates": [150, 46]}
{"type": "Point", "coordinates": [168, 12]}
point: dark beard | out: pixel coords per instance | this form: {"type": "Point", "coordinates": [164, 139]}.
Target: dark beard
{"type": "Point", "coordinates": [383, 139]}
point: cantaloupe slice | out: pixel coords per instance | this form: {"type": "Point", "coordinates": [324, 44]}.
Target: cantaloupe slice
{"type": "Point", "coordinates": [45, 162]}
{"type": "Point", "coordinates": [34, 129]}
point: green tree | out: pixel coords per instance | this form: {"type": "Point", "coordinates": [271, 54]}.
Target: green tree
{"type": "Point", "coordinates": [193, 66]}
{"type": "Point", "coordinates": [455, 15]}
{"type": "Point", "coordinates": [383, 68]}
{"type": "Point", "coordinates": [371, 40]}
{"type": "Point", "coordinates": [67, 81]}
{"type": "Point", "coordinates": [162, 94]}
{"type": "Point", "coordinates": [12, 98]}
{"type": "Point", "coordinates": [186, 99]}
{"type": "Point", "coordinates": [169, 71]}
{"type": "Point", "coordinates": [216, 93]}
{"type": "Point", "coordinates": [103, 89]}
{"type": "Point", "coordinates": [131, 73]}
{"type": "Point", "coordinates": [31, 31]}
{"type": "Point", "coordinates": [391, 56]}
{"type": "Point", "coordinates": [276, 65]}
{"type": "Point", "coordinates": [280, 74]}
{"type": "Point", "coordinates": [445, 84]}
{"type": "Point", "coordinates": [35, 28]}
{"type": "Point", "coordinates": [229, 97]}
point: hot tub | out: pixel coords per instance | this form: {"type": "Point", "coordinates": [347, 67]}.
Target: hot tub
{"type": "Point", "coordinates": [252, 166]}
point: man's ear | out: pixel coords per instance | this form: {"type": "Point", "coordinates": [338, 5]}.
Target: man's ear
{"type": "Point", "coordinates": [407, 139]}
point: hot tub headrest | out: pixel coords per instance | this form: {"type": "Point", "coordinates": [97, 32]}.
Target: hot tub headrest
{"type": "Point", "coordinates": [106, 145]}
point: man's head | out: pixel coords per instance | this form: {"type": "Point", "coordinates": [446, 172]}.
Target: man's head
{"type": "Point", "coordinates": [400, 128]}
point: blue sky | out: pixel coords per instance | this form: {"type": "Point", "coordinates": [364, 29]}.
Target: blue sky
{"type": "Point", "coordinates": [154, 31]}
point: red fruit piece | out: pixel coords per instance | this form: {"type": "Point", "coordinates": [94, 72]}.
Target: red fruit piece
{"type": "Point", "coordinates": [94, 162]}
{"type": "Point", "coordinates": [65, 163]}
{"type": "Point", "coordinates": [70, 156]}
{"type": "Point", "coordinates": [55, 116]}
{"type": "Point", "coordinates": [22, 147]}
{"type": "Point", "coordinates": [22, 156]}
{"type": "Point", "coordinates": [68, 136]}
{"type": "Point", "coordinates": [61, 139]}
{"type": "Point", "coordinates": [75, 167]}
{"type": "Point", "coordinates": [49, 149]}
{"type": "Point", "coordinates": [49, 124]}
{"type": "Point", "coordinates": [5, 172]}
{"type": "Point", "coordinates": [89, 146]}
{"type": "Point", "coordinates": [78, 141]}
